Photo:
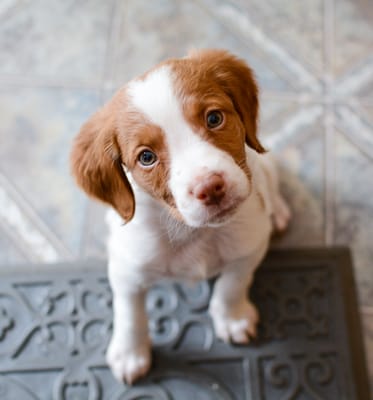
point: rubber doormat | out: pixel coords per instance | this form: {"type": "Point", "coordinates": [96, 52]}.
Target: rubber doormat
{"type": "Point", "coordinates": [55, 326]}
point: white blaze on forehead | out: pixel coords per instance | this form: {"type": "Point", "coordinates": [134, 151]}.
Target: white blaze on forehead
{"type": "Point", "coordinates": [155, 98]}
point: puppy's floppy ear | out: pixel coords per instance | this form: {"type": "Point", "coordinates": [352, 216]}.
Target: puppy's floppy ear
{"type": "Point", "coordinates": [96, 162]}
{"type": "Point", "coordinates": [237, 80]}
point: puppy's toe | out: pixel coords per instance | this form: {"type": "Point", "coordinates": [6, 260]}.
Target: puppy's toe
{"type": "Point", "coordinates": [128, 364]}
{"type": "Point", "coordinates": [237, 325]}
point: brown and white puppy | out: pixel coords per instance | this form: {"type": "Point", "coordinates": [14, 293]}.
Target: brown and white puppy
{"type": "Point", "coordinates": [176, 154]}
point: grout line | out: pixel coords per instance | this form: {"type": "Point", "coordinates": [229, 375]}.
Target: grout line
{"type": "Point", "coordinates": [306, 98]}
{"type": "Point", "coordinates": [107, 74]}
{"type": "Point", "coordinates": [359, 128]}
{"type": "Point", "coordinates": [351, 117]}
{"type": "Point", "coordinates": [329, 39]}
{"type": "Point", "coordinates": [357, 79]}
{"type": "Point", "coordinates": [9, 232]}
{"type": "Point", "coordinates": [86, 230]}
{"type": "Point", "coordinates": [357, 101]}
{"type": "Point", "coordinates": [329, 121]}
{"type": "Point", "coordinates": [304, 117]}
{"type": "Point", "coordinates": [12, 218]}
{"type": "Point", "coordinates": [45, 82]}
{"type": "Point", "coordinates": [15, 208]}
{"type": "Point", "coordinates": [108, 78]}
{"type": "Point", "coordinates": [330, 176]}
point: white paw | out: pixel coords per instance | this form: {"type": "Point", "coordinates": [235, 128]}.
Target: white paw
{"type": "Point", "coordinates": [236, 324]}
{"type": "Point", "coordinates": [281, 214]}
{"type": "Point", "coordinates": [128, 363]}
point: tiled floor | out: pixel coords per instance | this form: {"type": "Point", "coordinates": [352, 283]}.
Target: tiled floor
{"type": "Point", "coordinates": [59, 60]}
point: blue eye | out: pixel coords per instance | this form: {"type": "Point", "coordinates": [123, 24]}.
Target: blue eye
{"type": "Point", "coordinates": [147, 158]}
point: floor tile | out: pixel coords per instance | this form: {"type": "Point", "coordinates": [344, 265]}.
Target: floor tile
{"type": "Point", "coordinates": [274, 113]}
{"type": "Point", "coordinates": [142, 43]}
{"type": "Point", "coordinates": [10, 254]}
{"type": "Point", "coordinates": [354, 212]}
{"type": "Point", "coordinates": [56, 39]}
{"type": "Point", "coordinates": [37, 129]}
{"type": "Point", "coordinates": [296, 26]}
{"type": "Point", "coordinates": [95, 232]}
{"type": "Point", "coordinates": [357, 125]}
{"type": "Point", "coordinates": [353, 33]}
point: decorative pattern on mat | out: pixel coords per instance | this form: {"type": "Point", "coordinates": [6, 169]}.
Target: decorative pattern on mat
{"type": "Point", "coordinates": [55, 326]}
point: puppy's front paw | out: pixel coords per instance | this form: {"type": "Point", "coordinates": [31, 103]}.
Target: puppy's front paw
{"type": "Point", "coordinates": [128, 363]}
{"type": "Point", "coordinates": [235, 324]}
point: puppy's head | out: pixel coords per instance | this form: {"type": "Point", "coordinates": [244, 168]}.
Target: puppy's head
{"type": "Point", "coordinates": [180, 131]}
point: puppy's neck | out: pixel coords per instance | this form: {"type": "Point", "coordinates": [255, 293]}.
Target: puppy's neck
{"type": "Point", "coordinates": [177, 231]}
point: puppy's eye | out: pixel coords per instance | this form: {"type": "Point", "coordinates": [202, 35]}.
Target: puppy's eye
{"type": "Point", "coordinates": [214, 119]}
{"type": "Point", "coordinates": [147, 158]}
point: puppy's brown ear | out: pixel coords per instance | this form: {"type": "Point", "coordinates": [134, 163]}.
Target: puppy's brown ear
{"type": "Point", "coordinates": [96, 162]}
{"type": "Point", "coordinates": [237, 80]}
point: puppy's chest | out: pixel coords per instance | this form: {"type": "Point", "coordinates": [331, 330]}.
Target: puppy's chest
{"type": "Point", "coordinates": [198, 259]}
{"type": "Point", "coordinates": [204, 255]}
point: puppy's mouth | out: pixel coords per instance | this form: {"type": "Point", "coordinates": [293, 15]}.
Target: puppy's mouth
{"type": "Point", "coordinates": [222, 216]}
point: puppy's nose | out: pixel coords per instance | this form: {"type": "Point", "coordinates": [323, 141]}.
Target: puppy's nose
{"type": "Point", "coordinates": [210, 189]}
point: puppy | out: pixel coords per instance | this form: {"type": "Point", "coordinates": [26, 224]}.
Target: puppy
{"type": "Point", "coordinates": [175, 153]}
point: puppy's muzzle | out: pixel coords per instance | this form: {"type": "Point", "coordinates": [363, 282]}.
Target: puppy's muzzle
{"type": "Point", "coordinates": [209, 190]}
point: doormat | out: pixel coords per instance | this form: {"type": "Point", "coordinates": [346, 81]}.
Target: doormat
{"type": "Point", "coordinates": [55, 324]}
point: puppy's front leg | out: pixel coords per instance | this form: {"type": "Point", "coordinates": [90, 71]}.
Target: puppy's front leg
{"type": "Point", "coordinates": [129, 352]}
{"type": "Point", "coordinates": [233, 315]}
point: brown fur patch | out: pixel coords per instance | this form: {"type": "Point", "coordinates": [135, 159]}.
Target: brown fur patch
{"type": "Point", "coordinates": [216, 80]}
{"type": "Point", "coordinates": [137, 135]}
{"type": "Point", "coordinates": [96, 161]}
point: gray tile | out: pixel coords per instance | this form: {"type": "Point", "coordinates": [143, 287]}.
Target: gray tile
{"type": "Point", "coordinates": [6, 6]}
{"type": "Point", "coordinates": [353, 33]}
{"type": "Point", "coordinates": [274, 113]}
{"type": "Point", "coordinates": [95, 232]}
{"type": "Point", "coordinates": [169, 29]}
{"type": "Point", "coordinates": [357, 124]}
{"type": "Point", "coordinates": [9, 252]}
{"type": "Point", "coordinates": [367, 113]}
{"type": "Point", "coordinates": [56, 39]}
{"type": "Point", "coordinates": [354, 212]}
{"type": "Point", "coordinates": [296, 26]}
{"type": "Point", "coordinates": [37, 130]}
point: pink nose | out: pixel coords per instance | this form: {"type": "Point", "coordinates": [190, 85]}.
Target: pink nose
{"type": "Point", "coordinates": [210, 189]}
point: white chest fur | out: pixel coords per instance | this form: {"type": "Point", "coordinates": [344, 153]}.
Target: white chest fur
{"type": "Point", "coordinates": [150, 248]}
